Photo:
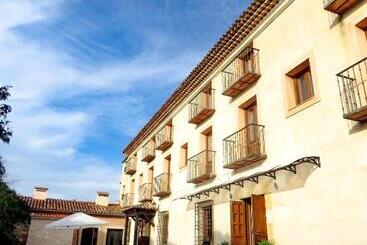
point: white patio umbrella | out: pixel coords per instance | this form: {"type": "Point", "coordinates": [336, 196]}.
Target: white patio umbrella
{"type": "Point", "coordinates": [76, 221]}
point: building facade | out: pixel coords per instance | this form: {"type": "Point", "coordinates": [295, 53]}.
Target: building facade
{"type": "Point", "coordinates": [46, 210]}
{"type": "Point", "coordinates": [265, 139]}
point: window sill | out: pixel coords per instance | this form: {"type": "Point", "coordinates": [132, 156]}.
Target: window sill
{"type": "Point", "coordinates": [304, 105]}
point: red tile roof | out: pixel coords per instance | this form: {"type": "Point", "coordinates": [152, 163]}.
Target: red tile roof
{"type": "Point", "coordinates": [240, 29]}
{"type": "Point", "coordinates": [55, 207]}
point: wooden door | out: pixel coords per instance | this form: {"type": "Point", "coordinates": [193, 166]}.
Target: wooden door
{"type": "Point", "coordinates": [252, 138]}
{"type": "Point", "coordinates": [258, 212]}
{"type": "Point", "coordinates": [238, 223]}
{"type": "Point", "coordinates": [248, 222]}
{"type": "Point", "coordinates": [209, 155]}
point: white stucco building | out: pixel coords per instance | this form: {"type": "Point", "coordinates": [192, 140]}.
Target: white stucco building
{"type": "Point", "coordinates": [265, 139]}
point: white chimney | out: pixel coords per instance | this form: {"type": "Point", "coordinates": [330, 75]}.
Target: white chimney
{"type": "Point", "coordinates": [102, 198]}
{"type": "Point", "coordinates": [40, 192]}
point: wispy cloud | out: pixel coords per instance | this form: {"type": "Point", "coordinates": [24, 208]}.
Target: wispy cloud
{"type": "Point", "coordinates": [72, 115]}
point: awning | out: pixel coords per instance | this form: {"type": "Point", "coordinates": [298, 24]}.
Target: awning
{"type": "Point", "coordinates": [271, 173]}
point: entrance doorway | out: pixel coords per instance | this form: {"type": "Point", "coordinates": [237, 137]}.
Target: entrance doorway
{"type": "Point", "coordinates": [248, 221]}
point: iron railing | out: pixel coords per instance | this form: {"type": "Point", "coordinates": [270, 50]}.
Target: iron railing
{"type": "Point", "coordinates": [162, 184]}
{"type": "Point", "coordinates": [204, 101]}
{"type": "Point", "coordinates": [163, 138]}
{"type": "Point", "coordinates": [246, 62]}
{"type": "Point", "coordinates": [127, 200]}
{"type": "Point", "coordinates": [245, 144]}
{"type": "Point", "coordinates": [148, 151]}
{"type": "Point", "coordinates": [352, 84]}
{"type": "Point", "coordinates": [201, 166]}
{"type": "Point", "coordinates": [145, 192]}
{"type": "Point", "coordinates": [130, 165]}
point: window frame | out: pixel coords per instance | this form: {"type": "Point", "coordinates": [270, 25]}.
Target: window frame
{"type": "Point", "coordinates": [303, 66]}
{"type": "Point", "coordinates": [200, 207]}
{"type": "Point", "coordinates": [114, 229]}
{"type": "Point", "coordinates": [305, 76]}
{"type": "Point", "coordinates": [164, 232]}
{"type": "Point", "coordinates": [184, 155]}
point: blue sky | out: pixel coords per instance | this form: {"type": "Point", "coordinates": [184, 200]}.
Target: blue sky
{"type": "Point", "coordinates": [87, 75]}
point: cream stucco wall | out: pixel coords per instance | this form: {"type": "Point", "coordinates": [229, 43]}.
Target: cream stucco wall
{"type": "Point", "coordinates": [316, 206]}
{"type": "Point", "coordinates": [39, 235]}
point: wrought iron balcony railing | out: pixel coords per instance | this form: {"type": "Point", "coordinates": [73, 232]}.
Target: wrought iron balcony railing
{"type": "Point", "coordinates": [339, 6]}
{"type": "Point", "coordinates": [162, 185]}
{"type": "Point", "coordinates": [353, 91]}
{"type": "Point", "coordinates": [244, 147]}
{"type": "Point", "coordinates": [201, 167]}
{"type": "Point", "coordinates": [148, 151]}
{"type": "Point", "coordinates": [202, 106]}
{"type": "Point", "coordinates": [130, 165]}
{"type": "Point", "coordinates": [241, 72]}
{"type": "Point", "coordinates": [127, 200]}
{"type": "Point", "coordinates": [163, 138]}
{"type": "Point", "coordinates": [145, 192]}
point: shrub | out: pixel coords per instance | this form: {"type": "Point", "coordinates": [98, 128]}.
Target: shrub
{"type": "Point", "coordinates": [265, 242]}
{"type": "Point", "coordinates": [224, 243]}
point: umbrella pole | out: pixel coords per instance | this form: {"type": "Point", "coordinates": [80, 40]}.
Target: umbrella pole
{"type": "Point", "coordinates": [77, 236]}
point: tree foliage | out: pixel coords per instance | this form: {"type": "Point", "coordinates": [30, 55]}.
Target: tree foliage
{"type": "Point", "coordinates": [5, 131]}
{"type": "Point", "coordinates": [13, 211]}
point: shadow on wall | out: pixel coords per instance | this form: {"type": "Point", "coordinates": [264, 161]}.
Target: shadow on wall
{"type": "Point", "coordinates": [355, 127]}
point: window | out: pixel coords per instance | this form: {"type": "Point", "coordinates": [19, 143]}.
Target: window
{"type": "Point", "coordinates": [301, 88]}
{"type": "Point", "coordinates": [183, 161]}
{"type": "Point", "coordinates": [204, 223]}
{"type": "Point", "coordinates": [114, 237]}
{"type": "Point", "coordinates": [167, 165]}
{"type": "Point", "coordinates": [132, 186]}
{"type": "Point", "coordinates": [208, 139]}
{"type": "Point", "coordinates": [89, 236]}
{"type": "Point", "coordinates": [163, 228]}
{"type": "Point", "coordinates": [302, 82]}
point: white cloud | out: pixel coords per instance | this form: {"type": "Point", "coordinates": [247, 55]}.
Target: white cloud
{"type": "Point", "coordinates": [45, 146]}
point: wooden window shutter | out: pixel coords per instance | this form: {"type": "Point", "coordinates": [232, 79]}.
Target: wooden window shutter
{"type": "Point", "coordinates": [259, 231]}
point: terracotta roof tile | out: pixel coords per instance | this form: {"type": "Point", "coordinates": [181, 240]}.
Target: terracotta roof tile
{"type": "Point", "coordinates": [55, 206]}
{"type": "Point", "coordinates": [238, 31]}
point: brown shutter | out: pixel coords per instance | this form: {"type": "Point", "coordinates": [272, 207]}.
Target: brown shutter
{"type": "Point", "coordinates": [259, 218]}
{"type": "Point", "coordinates": [238, 223]}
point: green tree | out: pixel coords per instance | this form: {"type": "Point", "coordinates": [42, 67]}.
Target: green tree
{"type": "Point", "coordinates": [13, 211]}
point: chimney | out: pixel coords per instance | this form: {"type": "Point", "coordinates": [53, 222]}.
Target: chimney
{"type": "Point", "coordinates": [102, 198]}
{"type": "Point", "coordinates": [40, 192]}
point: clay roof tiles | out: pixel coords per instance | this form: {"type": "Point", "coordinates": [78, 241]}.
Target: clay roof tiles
{"type": "Point", "coordinates": [52, 207]}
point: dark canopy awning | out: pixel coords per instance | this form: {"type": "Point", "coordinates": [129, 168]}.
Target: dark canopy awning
{"type": "Point", "coordinates": [142, 214]}
{"type": "Point", "coordinates": [292, 167]}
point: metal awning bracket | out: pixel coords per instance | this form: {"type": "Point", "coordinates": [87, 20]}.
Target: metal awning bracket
{"type": "Point", "coordinates": [253, 179]}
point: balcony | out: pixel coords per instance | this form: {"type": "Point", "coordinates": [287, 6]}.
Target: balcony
{"type": "Point", "coordinates": [353, 91]}
{"type": "Point", "coordinates": [201, 167]}
{"type": "Point", "coordinates": [202, 106]}
{"type": "Point", "coordinates": [162, 185]}
{"type": "Point", "coordinates": [163, 138]}
{"type": "Point", "coordinates": [130, 166]}
{"type": "Point", "coordinates": [127, 200]}
{"type": "Point", "coordinates": [244, 147]}
{"type": "Point", "coordinates": [339, 6]}
{"type": "Point", "coordinates": [241, 73]}
{"type": "Point", "coordinates": [148, 151]}
{"type": "Point", "coordinates": [145, 192]}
